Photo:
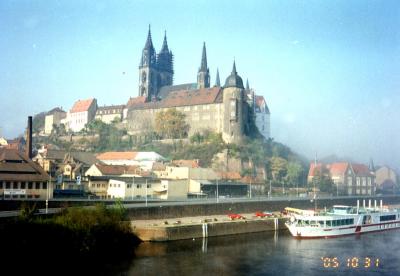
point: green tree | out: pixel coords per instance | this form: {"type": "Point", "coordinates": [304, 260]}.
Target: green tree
{"type": "Point", "coordinates": [38, 122]}
{"type": "Point", "coordinates": [295, 172]}
{"type": "Point", "coordinates": [322, 180]}
{"type": "Point", "coordinates": [171, 124]}
{"type": "Point", "coordinates": [278, 167]}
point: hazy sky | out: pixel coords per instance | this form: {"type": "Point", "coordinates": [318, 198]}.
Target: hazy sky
{"type": "Point", "coordinates": [329, 70]}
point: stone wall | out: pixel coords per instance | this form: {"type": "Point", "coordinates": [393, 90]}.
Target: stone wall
{"type": "Point", "coordinates": [198, 117]}
{"type": "Point", "coordinates": [209, 229]}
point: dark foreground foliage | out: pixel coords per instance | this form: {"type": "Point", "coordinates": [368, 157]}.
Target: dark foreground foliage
{"type": "Point", "coordinates": [78, 241]}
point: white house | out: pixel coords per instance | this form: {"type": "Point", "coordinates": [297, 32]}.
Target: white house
{"type": "Point", "coordinates": [82, 112]}
{"type": "Point", "coordinates": [136, 188]}
{"type": "Point", "coordinates": [53, 117]}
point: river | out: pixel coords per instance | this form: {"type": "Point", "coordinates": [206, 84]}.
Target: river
{"type": "Point", "coordinates": [270, 253]}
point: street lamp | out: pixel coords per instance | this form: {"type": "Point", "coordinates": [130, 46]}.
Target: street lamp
{"type": "Point", "coordinates": [270, 188]}
{"type": "Point", "coordinates": [217, 192]}
{"type": "Point", "coordinates": [146, 192]}
{"type": "Point", "coordinates": [47, 195]}
{"type": "Point", "coordinates": [133, 185]}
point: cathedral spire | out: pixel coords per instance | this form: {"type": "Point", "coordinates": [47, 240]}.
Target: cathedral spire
{"type": "Point", "coordinates": [247, 84]}
{"type": "Point", "coordinates": [149, 42]}
{"type": "Point", "coordinates": [217, 81]}
{"type": "Point", "coordinates": [203, 66]}
{"type": "Point", "coordinates": [203, 76]}
{"type": "Point", "coordinates": [148, 53]}
{"type": "Point", "coordinates": [164, 47]}
{"type": "Point", "coordinates": [234, 80]}
{"type": "Point", "coordinates": [371, 165]}
{"type": "Point", "coordinates": [234, 68]}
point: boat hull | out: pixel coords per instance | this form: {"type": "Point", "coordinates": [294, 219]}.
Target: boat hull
{"type": "Point", "coordinates": [308, 232]}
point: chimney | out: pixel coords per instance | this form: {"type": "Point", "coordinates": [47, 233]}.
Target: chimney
{"type": "Point", "coordinates": [28, 146]}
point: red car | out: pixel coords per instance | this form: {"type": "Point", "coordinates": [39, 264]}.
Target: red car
{"type": "Point", "coordinates": [235, 216]}
{"type": "Point", "coordinates": [263, 214]}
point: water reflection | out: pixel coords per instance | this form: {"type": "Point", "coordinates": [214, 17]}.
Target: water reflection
{"type": "Point", "coordinates": [269, 253]}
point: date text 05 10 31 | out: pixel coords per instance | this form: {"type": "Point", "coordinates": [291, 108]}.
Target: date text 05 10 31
{"type": "Point", "coordinates": [350, 262]}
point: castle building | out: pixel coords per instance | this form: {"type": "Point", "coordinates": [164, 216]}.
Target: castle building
{"type": "Point", "coordinates": [226, 109]}
{"type": "Point", "coordinates": [53, 117]}
{"type": "Point", "coordinates": [81, 113]}
{"type": "Point", "coordinates": [109, 114]}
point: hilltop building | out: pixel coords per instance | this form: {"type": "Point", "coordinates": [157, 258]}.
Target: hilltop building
{"type": "Point", "coordinates": [81, 113]}
{"type": "Point", "coordinates": [111, 113]}
{"type": "Point", "coordinates": [262, 116]}
{"type": "Point", "coordinates": [226, 109]}
{"type": "Point", "coordinates": [53, 117]}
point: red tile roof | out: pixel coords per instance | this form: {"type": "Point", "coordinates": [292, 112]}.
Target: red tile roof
{"type": "Point", "coordinates": [117, 155]}
{"type": "Point", "coordinates": [312, 170]}
{"type": "Point", "coordinates": [180, 98]}
{"type": "Point", "coordinates": [259, 100]}
{"type": "Point", "coordinates": [117, 169]}
{"type": "Point", "coordinates": [82, 105]}
{"type": "Point", "coordinates": [360, 169]}
{"type": "Point", "coordinates": [338, 168]}
{"type": "Point", "coordinates": [187, 163]}
{"type": "Point", "coordinates": [136, 101]}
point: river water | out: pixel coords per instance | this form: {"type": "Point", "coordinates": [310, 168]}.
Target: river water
{"type": "Point", "coordinates": [270, 253]}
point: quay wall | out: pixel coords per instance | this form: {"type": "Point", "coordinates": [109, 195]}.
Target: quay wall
{"type": "Point", "coordinates": [226, 207]}
{"type": "Point", "coordinates": [209, 229]}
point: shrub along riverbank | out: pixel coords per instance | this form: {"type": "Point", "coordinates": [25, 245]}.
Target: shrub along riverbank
{"type": "Point", "coordinates": [77, 238]}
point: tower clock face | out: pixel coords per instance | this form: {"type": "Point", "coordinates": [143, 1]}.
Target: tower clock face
{"type": "Point", "coordinates": [144, 77]}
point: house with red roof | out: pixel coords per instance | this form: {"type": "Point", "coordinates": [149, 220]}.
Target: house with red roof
{"type": "Point", "coordinates": [81, 113]}
{"type": "Point", "coordinates": [262, 116]}
{"type": "Point", "coordinates": [348, 178]}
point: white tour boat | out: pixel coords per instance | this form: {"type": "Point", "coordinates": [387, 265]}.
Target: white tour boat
{"type": "Point", "coordinates": [342, 220]}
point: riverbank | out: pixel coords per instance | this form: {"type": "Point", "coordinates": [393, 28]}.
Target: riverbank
{"type": "Point", "coordinates": [75, 237]}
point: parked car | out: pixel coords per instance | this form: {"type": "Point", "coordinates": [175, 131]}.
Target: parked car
{"type": "Point", "coordinates": [235, 216]}
{"type": "Point", "coordinates": [263, 214]}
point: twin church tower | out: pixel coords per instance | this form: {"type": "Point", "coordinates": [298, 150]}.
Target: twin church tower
{"type": "Point", "coordinates": [157, 70]}
{"type": "Point", "coordinates": [230, 109]}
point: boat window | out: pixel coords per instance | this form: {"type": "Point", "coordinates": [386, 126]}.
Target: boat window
{"type": "Point", "coordinates": [328, 223]}
{"type": "Point", "coordinates": [388, 217]}
{"type": "Point", "coordinates": [334, 223]}
{"type": "Point", "coordinates": [306, 222]}
{"type": "Point", "coordinates": [313, 222]}
{"type": "Point", "coordinates": [321, 223]}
